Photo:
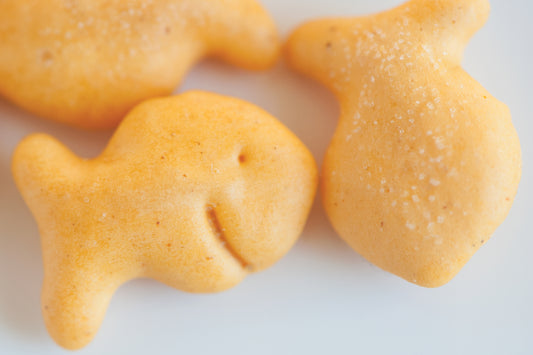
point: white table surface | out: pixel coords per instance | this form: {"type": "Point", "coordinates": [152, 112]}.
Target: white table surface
{"type": "Point", "coordinates": [322, 298]}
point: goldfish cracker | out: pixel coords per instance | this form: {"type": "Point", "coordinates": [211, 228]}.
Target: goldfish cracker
{"type": "Point", "coordinates": [196, 191]}
{"type": "Point", "coordinates": [87, 63]}
{"type": "Point", "coordinates": [425, 163]}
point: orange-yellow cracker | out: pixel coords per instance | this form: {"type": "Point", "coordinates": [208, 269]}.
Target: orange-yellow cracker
{"type": "Point", "coordinates": [88, 62]}
{"type": "Point", "coordinates": [196, 191]}
{"type": "Point", "coordinates": [425, 163]}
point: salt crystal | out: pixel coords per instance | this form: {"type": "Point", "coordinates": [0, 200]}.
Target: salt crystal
{"type": "Point", "coordinates": [434, 182]}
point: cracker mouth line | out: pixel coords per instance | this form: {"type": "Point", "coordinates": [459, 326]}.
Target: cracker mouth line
{"type": "Point", "coordinates": [218, 231]}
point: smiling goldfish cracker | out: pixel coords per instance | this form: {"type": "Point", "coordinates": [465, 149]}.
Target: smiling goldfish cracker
{"type": "Point", "coordinates": [196, 191]}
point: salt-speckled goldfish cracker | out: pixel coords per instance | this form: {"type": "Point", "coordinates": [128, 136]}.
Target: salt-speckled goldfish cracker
{"type": "Point", "coordinates": [425, 163]}
{"type": "Point", "coordinates": [87, 63]}
{"type": "Point", "coordinates": [195, 191]}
